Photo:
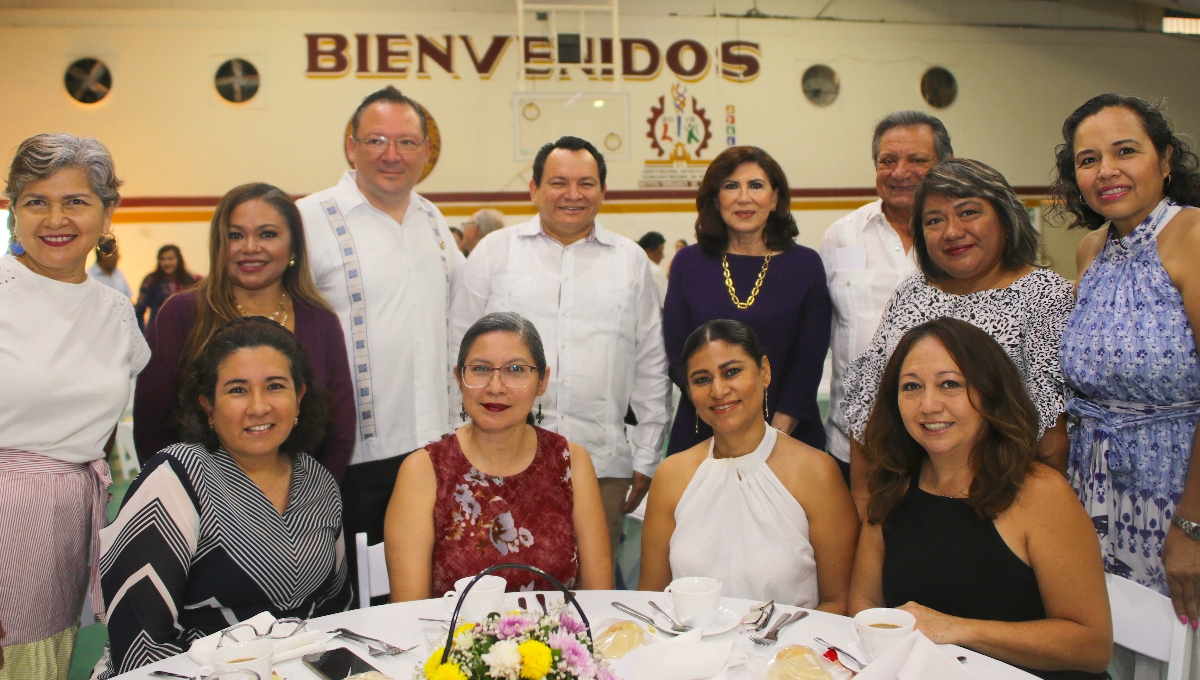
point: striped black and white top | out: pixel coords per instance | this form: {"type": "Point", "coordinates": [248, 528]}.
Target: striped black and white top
{"type": "Point", "coordinates": [197, 547]}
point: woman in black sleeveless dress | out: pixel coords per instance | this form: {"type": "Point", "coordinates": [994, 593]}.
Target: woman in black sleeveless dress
{"type": "Point", "coordinates": [967, 529]}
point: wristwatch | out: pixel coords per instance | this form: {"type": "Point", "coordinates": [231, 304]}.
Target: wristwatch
{"type": "Point", "coordinates": [1192, 529]}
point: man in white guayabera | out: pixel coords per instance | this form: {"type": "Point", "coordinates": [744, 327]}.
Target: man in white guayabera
{"type": "Point", "coordinates": [591, 295]}
{"type": "Point", "coordinates": [869, 252]}
{"type": "Point", "coordinates": [385, 259]}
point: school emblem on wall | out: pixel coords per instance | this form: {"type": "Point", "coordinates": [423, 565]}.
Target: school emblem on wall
{"type": "Point", "coordinates": [679, 133]}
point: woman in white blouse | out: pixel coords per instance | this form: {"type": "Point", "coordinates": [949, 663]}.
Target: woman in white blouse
{"type": "Point", "coordinates": [71, 346]}
{"type": "Point", "coordinates": [767, 515]}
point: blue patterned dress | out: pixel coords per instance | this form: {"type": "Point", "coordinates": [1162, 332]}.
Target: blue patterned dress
{"type": "Point", "coordinates": [1130, 355]}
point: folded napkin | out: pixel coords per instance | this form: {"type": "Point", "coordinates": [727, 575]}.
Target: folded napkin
{"type": "Point", "coordinates": [308, 642]}
{"type": "Point", "coordinates": [915, 657]}
{"type": "Point", "coordinates": [686, 657]}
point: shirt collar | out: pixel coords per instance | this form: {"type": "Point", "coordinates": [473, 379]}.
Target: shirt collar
{"type": "Point", "coordinates": [598, 234]}
{"type": "Point", "coordinates": [350, 197]}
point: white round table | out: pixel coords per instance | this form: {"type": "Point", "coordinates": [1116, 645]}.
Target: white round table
{"type": "Point", "coordinates": [398, 625]}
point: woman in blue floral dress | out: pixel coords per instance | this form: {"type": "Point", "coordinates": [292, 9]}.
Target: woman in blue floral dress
{"type": "Point", "coordinates": [1129, 352]}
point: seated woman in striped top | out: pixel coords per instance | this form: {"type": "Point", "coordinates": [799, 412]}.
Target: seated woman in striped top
{"type": "Point", "coordinates": [209, 531]}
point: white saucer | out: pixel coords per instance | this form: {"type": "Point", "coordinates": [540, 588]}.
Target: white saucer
{"type": "Point", "coordinates": [726, 621]}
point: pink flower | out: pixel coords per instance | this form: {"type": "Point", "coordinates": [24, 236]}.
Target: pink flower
{"type": "Point", "coordinates": [512, 625]}
{"type": "Point", "coordinates": [576, 659]}
{"type": "Point", "coordinates": [570, 624]}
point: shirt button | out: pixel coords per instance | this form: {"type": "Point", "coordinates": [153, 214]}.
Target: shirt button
{"type": "Point", "coordinates": [897, 249]}
{"type": "Point", "coordinates": [847, 283]}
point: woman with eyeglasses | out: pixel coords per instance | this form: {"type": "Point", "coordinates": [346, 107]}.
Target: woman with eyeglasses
{"type": "Point", "coordinates": [499, 489]}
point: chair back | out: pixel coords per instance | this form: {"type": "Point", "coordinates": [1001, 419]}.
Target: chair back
{"type": "Point", "coordinates": [1144, 621]}
{"type": "Point", "coordinates": [372, 570]}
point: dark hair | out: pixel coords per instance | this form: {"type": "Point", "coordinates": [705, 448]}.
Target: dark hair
{"type": "Point", "coordinates": [965, 178]}
{"type": "Point", "coordinates": [507, 322]}
{"type": "Point", "coordinates": [214, 296]}
{"type": "Point", "coordinates": [999, 462]}
{"type": "Point", "coordinates": [941, 136]}
{"type": "Point", "coordinates": [711, 231]}
{"type": "Point", "coordinates": [570, 144]}
{"type": "Point", "coordinates": [722, 330]}
{"type": "Point", "coordinates": [247, 333]}
{"type": "Point", "coordinates": [390, 95]}
{"type": "Point", "coordinates": [456, 231]}
{"type": "Point", "coordinates": [1183, 189]}
{"type": "Point", "coordinates": [182, 276]}
{"type": "Point", "coordinates": [651, 240]}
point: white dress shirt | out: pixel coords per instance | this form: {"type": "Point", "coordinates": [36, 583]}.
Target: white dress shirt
{"type": "Point", "coordinates": [660, 281]}
{"type": "Point", "coordinates": [864, 263]}
{"type": "Point", "coordinates": [596, 307]}
{"type": "Point", "coordinates": [390, 284]}
{"type": "Point", "coordinates": [116, 280]}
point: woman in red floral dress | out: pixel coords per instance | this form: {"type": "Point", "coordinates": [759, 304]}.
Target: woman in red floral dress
{"type": "Point", "coordinates": [498, 489]}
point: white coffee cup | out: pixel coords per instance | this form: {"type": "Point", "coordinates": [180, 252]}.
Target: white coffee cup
{"type": "Point", "coordinates": [255, 655]}
{"type": "Point", "coordinates": [485, 597]}
{"type": "Point", "coordinates": [695, 600]}
{"type": "Point", "coordinates": [878, 629]}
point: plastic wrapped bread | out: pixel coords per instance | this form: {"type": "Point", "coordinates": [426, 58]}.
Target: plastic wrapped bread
{"type": "Point", "coordinates": [620, 638]}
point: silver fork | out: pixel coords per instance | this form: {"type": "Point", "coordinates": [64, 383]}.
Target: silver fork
{"type": "Point", "coordinates": [772, 635]}
{"type": "Point", "coordinates": [375, 647]}
{"type": "Point", "coordinates": [842, 653]}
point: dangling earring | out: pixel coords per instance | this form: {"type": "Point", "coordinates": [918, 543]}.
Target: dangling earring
{"type": "Point", "coordinates": [766, 414]}
{"type": "Point", "coordinates": [15, 247]}
{"type": "Point", "coordinates": [1168, 179]}
{"type": "Point", "coordinates": [297, 421]}
{"type": "Point", "coordinates": [697, 422]}
{"type": "Point", "coordinates": [462, 414]}
{"type": "Point", "coordinates": [539, 417]}
{"type": "Point", "coordinates": [107, 245]}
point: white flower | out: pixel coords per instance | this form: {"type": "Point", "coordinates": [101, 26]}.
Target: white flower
{"type": "Point", "coordinates": [467, 501]}
{"type": "Point", "coordinates": [504, 533]}
{"type": "Point", "coordinates": [503, 660]}
{"type": "Point", "coordinates": [476, 477]}
{"type": "Point", "coordinates": [525, 537]}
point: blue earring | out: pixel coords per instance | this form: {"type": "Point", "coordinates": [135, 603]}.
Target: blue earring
{"type": "Point", "coordinates": [16, 248]}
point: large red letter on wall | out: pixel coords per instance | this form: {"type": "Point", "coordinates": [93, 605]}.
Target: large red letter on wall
{"type": "Point", "coordinates": [327, 53]}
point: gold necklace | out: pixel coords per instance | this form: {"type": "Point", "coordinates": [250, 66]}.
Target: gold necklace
{"type": "Point", "coordinates": [280, 315]}
{"type": "Point", "coordinates": [757, 284]}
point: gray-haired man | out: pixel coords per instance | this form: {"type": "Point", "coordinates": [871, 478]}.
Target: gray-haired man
{"type": "Point", "coordinates": [482, 223]}
{"type": "Point", "coordinates": [869, 252]}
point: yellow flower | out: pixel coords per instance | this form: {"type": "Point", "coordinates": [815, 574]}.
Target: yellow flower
{"type": "Point", "coordinates": [463, 627]}
{"type": "Point", "coordinates": [535, 659]}
{"type": "Point", "coordinates": [448, 671]}
{"type": "Point", "coordinates": [434, 661]}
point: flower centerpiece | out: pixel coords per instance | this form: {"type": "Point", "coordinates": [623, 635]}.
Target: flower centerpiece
{"type": "Point", "coordinates": [519, 645]}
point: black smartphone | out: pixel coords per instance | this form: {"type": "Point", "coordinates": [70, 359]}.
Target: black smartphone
{"type": "Point", "coordinates": [337, 664]}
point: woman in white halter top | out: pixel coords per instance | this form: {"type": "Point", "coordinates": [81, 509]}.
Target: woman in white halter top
{"type": "Point", "coordinates": [767, 515]}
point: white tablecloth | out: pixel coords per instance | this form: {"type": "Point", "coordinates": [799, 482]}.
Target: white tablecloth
{"type": "Point", "coordinates": [398, 624]}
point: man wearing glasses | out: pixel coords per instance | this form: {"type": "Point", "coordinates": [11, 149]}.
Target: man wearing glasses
{"type": "Point", "coordinates": [481, 224]}
{"type": "Point", "coordinates": [592, 297]}
{"type": "Point", "coordinates": [385, 259]}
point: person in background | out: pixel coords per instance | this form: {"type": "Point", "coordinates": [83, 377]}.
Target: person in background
{"type": "Point", "coordinates": [458, 238]}
{"type": "Point", "coordinates": [957, 531]}
{"type": "Point", "coordinates": [679, 245]}
{"type": "Point", "coordinates": [237, 521]}
{"type": "Point", "coordinates": [869, 252]}
{"type": "Point", "coordinates": [170, 277]}
{"type": "Point", "coordinates": [258, 266]}
{"type": "Point", "coordinates": [591, 294]}
{"type": "Point", "coordinates": [746, 266]}
{"type": "Point", "coordinates": [979, 258]}
{"type": "Point", "coordinates": [767, 515]}
{"type": "Point", "coordinates": [71, 346]}
{"type": "Point", "coordinates": [530, 496]}
{"type": "Point", "coordinates": [105, 271]}
{"type": "Point", "coordinates": [384, 259]}
{"type": "Point", "coordinates": [653, 243]}
{"type": "Point", "coordinates": [1129, 351]}
{"type": "Point", "coordinates": [482, 223]}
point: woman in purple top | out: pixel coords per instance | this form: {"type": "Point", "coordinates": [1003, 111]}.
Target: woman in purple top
{"type": "Point", "coordinates": [258, 266]}
{"type": "Point", "coordinates": [746, 266]}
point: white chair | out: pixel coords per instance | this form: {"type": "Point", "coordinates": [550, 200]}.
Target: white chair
{"type": "Point", "coordinates": [372, 570]}
{"type": "Point", "coordinates": [1145, 622]}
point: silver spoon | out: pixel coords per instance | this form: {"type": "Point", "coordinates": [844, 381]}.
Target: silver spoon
{"type": "Point", "coordinates": [675, 625]}
{"type": "Point", "coordinates": [841, 653]}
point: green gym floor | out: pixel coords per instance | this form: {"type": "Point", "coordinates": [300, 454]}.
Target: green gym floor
{"type": "Point", "coordinates": [90, 643]}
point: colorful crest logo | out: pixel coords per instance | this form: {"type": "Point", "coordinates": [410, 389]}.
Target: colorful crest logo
{"type": "Point", "coordinates": [679, 134]}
